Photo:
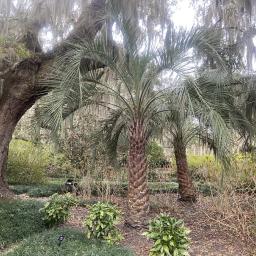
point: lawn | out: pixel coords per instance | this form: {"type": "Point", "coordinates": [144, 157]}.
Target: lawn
{"type": "Point", "coordinates": [23, 233]}
{"type": "Point", "coordinates": [18, 220]}
{"type": "Point", "coordinates": [74, 243]}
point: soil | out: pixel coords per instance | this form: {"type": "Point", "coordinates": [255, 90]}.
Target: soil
{"type": "Point", "coordinates": [207, 237]}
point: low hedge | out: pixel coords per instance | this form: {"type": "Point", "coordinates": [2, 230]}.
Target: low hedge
{"type": "Point", "coordinates": [37, 191]}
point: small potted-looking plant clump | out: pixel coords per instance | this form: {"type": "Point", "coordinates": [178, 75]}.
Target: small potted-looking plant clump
{"type": "Point", "coordinates": [170, 236]}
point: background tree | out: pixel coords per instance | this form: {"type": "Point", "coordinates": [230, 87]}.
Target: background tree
{"type": "Point", "coordinates": [207, 112]}
{"type": "Point", "coordinates": [20, 86]}
{"type": "Point", "coordinates": [40, 31]}
{"type": "Point", "coordinates": [136, 68]}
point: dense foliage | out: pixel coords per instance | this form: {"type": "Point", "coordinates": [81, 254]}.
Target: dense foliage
{"type": "Point", "coordinates": [19, 219]}
{"type": "Point", "coordinates": [170, 236]}
{"type": "Point", "coordinates": [74, 243]}
{"type": "Point", "coordinates": [27, 163]}
{"type": "Point", "coordinates": [32, 164]}
{"type": "Point", "coordinates": [101, 223]}
{"type": "Point", "coordinates": [155, 155]}
{"type": "Point", "coordinates": [56, 210]}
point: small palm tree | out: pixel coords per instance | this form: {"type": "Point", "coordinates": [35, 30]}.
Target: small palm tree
{"type": "Point", "coordinates": [202, 108]}
{"type": "Point", "coordinates": [135, 98]}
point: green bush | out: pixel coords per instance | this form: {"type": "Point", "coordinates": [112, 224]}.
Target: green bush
{"type": "Point", "coordinates": [207, 189]}
{"type": "Point", "coordinates": [56, 210]}
{"type": "Point", "coordinates": [60, 166]}
{"type": "Point", "coordinates": [101, 223]}
{"type": "Point", "coordinates": [155, 154]}
{"type": "Point", "coordinates": [243, 173]}
{"type": "Point", "coordinates": [27, 163]}
{"type": "Point", "coordinates": [10, 46]}
{"type": "Point", "coordinates": [19, 219]}
{"type": "Point", "coordinates": [20, 189]}
{"type": "Point", "coordinates": [170, 236]}
{"type": "Point", "coordinates": [45, 190]}
{"type": "Point", "coordinates": [163, 187]}
{"type": "Point", "coordinates": [240, 176]}
{"type": "Point", "coordinates": [204, 167]}
{"type": "Point", "coordinates": [74, 243]}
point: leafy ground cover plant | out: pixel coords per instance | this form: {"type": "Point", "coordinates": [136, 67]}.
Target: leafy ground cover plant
{"type": "Point", "coordinates": [56, 211]}
{"type": "Point", "coordinates": [19, 219]}
{"type": "Point", "coordinates": [74, 243]}
{"type": "Point", "coordinates": [170, 236]}
{"type": "Point", "coordinates": [101, 223]}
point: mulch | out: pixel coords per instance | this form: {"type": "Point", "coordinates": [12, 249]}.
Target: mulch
{"type": "Point", "coordinates": [207, 238]}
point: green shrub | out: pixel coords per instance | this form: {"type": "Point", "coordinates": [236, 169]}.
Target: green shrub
{"type": "Point", "coordinates": [37, 190]}
{"type": "Point", "coordinates": [103, 187]}
{"type": "Point", "coordinates": [155, 154]}
{"type": "Point", "coordinates": [207, 189]}
{"type": "Point", "coordinates": [60, 166]}
{"type": "Point", "coordinates": [101, 223]}
{"type": "Point", "coordinates": [170, 236]}
{"type": "Point", "coordinates": [56, 211]}
{"type": "Point", "coordinates": [19, 219]}
{"type": "Point", "coordinates": [163, 187]}
{"type": "Point", "coordinates": [20, 189]}
{"type": "Point", "coordinates": [204, 167]}
{"type": "Point", "coordinates": [74, 243]}
{"type": "Point", "coordinates": [243, 173]}
{"type": "Point", "coordinates": [13, 49]}
{"type": "Point", "coordinates": [27, 163]}
{"type": "Point", "coordinates": [45, 190]}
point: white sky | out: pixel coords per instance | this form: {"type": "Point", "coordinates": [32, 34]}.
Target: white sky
{"type": "Point", "coordinates": [184, 14]}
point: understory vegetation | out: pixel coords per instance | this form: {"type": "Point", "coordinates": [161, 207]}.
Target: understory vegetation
{"type": "Point", "coordinates": [74, 243]}
{"type": "Point", "coordinates": [19, 219]}
{"type": "Point", "coordinates": [127, 128]}
{"type": "Point", "coordinates": [229, 196]}
{"type": "Point", "coordinates": [22, 225]}
{"type": "Point", "coordinates": [29, 165]}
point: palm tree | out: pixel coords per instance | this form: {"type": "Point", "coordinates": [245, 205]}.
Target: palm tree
{"type": "Point", "coordinates": [136, 100]}
{"type": "Point", "coordinates": [208, 112]}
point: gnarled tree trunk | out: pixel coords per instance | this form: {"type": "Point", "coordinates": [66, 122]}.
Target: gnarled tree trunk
{"type": "Point", "coordinates": [186, 188]}
{"type": "Point", "coordinates": [17, 97]}
{"type": "Point", "coordinates": [19, 87]}
{"type": "Point", "coordinates": [138, 196]}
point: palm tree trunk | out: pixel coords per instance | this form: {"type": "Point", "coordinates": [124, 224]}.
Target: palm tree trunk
{"type": "Point", "coordinates": [138, 196]}
{"type": "Point", "coordinates": [186, 188]}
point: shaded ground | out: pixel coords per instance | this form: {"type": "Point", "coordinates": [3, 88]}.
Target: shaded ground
{"type": "Point", "coordinates": [207, 237]}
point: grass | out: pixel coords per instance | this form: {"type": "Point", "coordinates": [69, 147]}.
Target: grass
{"type": "Point", "coordinates": [23, 233]}
{"type": "Point", "coordinates": [75, 243]}
{"type": "Point", "coordinates": [19, 219]}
